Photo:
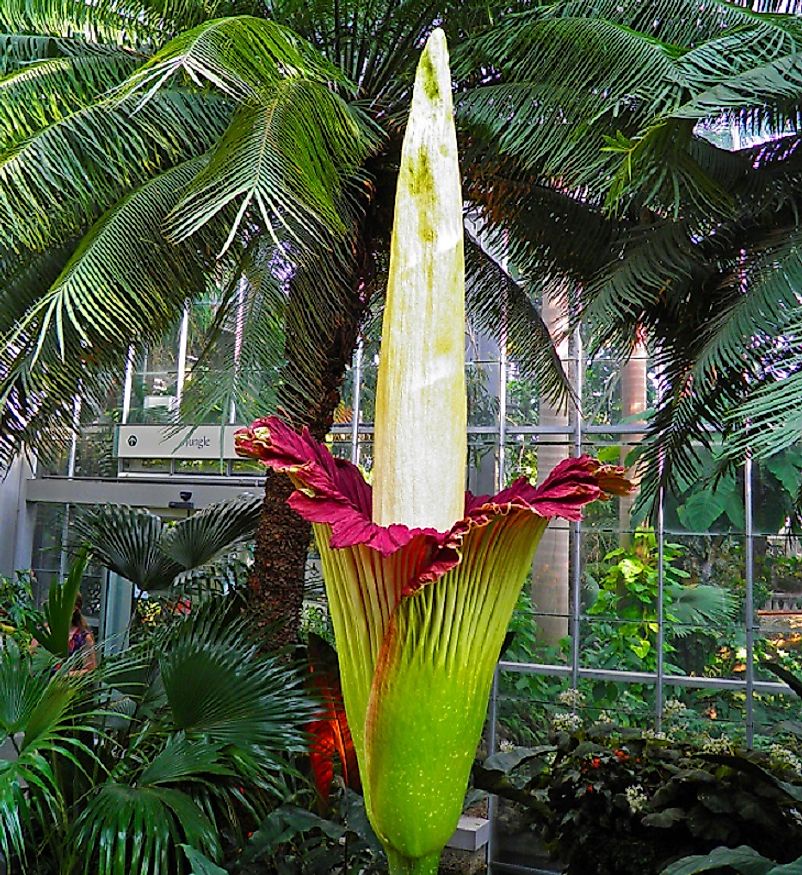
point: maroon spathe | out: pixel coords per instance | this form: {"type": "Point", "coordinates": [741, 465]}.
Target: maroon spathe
{"type": "Point", "coordinates": [333, 491]}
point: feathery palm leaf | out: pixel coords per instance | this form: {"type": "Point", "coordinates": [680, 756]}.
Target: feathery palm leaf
{"type": "Point", "coordinates": [240, 56]}
{"type": "Point", "coordinates": [46, 91]}
{"type": "Point", "coordinates": [91, 158]}
{"type": "Point", "coordinates": [284, 155]}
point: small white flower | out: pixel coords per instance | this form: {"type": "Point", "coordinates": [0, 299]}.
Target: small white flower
{"type": "Point", "coordinates": [636, 798]}
{"type": "Point", "coordinates": [571, 698]}
{"type": "Point", "coordinates": [785, 758]}
{"type": "Point", "coordinates": [673, 709]}
{"type": "Point", "coordinates": [604, 717]}
{"type": "Point", "coordinates": [722, 744]}
{"type": "Point", "coordinates": [654, 735]}
{"type": "Point", "coordinates": [566, 722]}
{"type": "Point", "coordinates": [506, 746]}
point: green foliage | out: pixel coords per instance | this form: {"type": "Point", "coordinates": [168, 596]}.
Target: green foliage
{"type": "Point", "coordinates": [742, 859]}
{"type": "Point", "coordinates": [184, 740]}
{"type": "Point", "coordinates": [612, 801]}
{"type": "Point", "coordinates": [155, 555]}
{"type": "Point", "coordinates": [18, 611]}
{"type": "Point", "coordinates": [626, 603]}
{"type": "Point", "coordinates": [54, 632]}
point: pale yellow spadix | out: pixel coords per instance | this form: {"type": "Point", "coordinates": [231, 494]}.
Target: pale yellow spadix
{"type": "Point", "coordinates": [420, 428]}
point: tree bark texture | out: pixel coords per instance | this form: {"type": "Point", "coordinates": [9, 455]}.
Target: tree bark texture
{"type": "Point", "coordinates": [321, 336]}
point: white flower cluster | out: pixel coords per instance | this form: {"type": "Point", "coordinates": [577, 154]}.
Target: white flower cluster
{"type": "Point", "coordinates": [722, 744]}
{"type": "Point", "coordinates": [505, 746]}
{"type": "Point", "coordinates": [571, 698]}
{"type": "Point", "coordinates": [654, 735]}
{"type": "Point", "coordinates": [604, 717]}
{"type": "Point", "coordinates": [674, 709]}
{"type": "Point", "coordinates": [566, 722]}
{"type": "Point", "coordinates": [636, 798]}
{"type": "Point", "coordinates": [785, 758]}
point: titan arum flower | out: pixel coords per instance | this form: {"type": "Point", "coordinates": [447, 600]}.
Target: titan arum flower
{"type": "Point", "coordinates": [421, 578]}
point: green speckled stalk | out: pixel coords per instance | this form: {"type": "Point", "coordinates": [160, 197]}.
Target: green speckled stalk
{"type": "Point", "coordinates": [403, 866]}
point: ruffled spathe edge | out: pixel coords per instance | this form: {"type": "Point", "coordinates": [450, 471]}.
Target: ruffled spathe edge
{"type": "Point", "coordinates": [333, 491]}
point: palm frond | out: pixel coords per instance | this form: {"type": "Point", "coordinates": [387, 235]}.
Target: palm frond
{"type": "Point", "coordinates": [243, 347]}
{"type": "Point", "coordinates": [19, 49]}
{"type": "Point", "coordinates": [284, 156]}
{"type": "Point", "coordinates": [63, 177]}
{"type": "Point", "coordinates": [127, 541]}
{"type": "Point", "coordinates": [239, 55]}
{"type": "Point", "coordinates": [499, 306]}
{"type": "Point", "coordinates": [48, 90]}
{"type": "Point", "coordinates": [199, 539]}
{"type": "Point", "coordinates": [122, 285]}
{"type": "Point", "coordinates": [218, 687]}
{"type": "Point", "coordinates": [112, 22]}
{"type": "Point", "coordinates": [51, 709]}
{"type": "Point", "coordinates": [126, 828]}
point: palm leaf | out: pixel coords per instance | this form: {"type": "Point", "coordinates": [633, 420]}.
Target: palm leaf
{"type": "Point", "coordinates": [85, 162]}
{"type": "Point", "coordinates": [126, 828]}
{"type": "Point", "coordinates": [242, 349]}
{"type": "Point", "coordinates": [127, 541]}
{"type": "Point", "coordinates": [116, 22]}
{"type": "Point", "coordinates": [285, 156]}
{"type": "Point", "coordinates": [500, 307]}
{"type": "Point", "coordinates": [201, 538]}
{"type": "Point", "coordinates": [219, 687]}
{"type": "Point", "coordinates": [48, 90]}
{"type": "Point", "coordinates": [239, 55]}
{"type": "Point", "coordinates": [122, 285]}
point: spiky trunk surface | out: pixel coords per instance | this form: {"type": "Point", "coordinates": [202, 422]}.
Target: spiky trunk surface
{"type": "Point", "coordinates": [276, 582]}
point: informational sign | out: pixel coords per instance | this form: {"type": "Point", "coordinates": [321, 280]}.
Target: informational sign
{"type": "Point", "coordinates": [166, 442]}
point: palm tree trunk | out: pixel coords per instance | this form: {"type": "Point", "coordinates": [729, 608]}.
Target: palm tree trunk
{"type": "Point", "coordinates": [318, 350]}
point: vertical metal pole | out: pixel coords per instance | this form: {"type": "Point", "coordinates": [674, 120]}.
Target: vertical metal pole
{"type": "Point", "coordinates": [181, 367]}
{"type": "Point", "coordinates": [749, 603]}
{"type": "Point", "coordinates": [576, 553]}
{"type": "Point", "coordinates": [658, 698]}
{"type": "Point", "coordinates": [502, 414]}
{"type": "Point", "coordinates": [356, 401]}
{"type": "Point", "coordinates": [128, 386]}
{"type": "Point", "coordinates": [63, 560]}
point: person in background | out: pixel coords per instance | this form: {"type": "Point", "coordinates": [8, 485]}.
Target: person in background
{"type": "Point", "coordinates": [81, 640]}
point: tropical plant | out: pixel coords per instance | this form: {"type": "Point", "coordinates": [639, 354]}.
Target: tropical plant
{"type": "Point", "coordinates": [17, 606]}
{"type": "Point", "coordinates": [421, 579]}
{"type": "Point", "coordinates": [151, 155]}
{"type": "Point", "coordinates": [183, 741]}
{"type": "Point", "coordinates": [623, 604]}
{"type": "Point", "coordinates": [158, 556]}
{"type": "Point", "coordinates": [612, 801]}
{"type": "Point", "coordinates": [674, 195]}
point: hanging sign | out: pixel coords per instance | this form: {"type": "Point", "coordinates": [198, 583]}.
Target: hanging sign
{"type": "Point", "coordinates": [167, 442]}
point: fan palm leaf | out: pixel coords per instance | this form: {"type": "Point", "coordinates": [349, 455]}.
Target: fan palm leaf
{"type": "Point", "coordinates": [126, 540]}
{"type": "Point", "coordinates": [201, 538]}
